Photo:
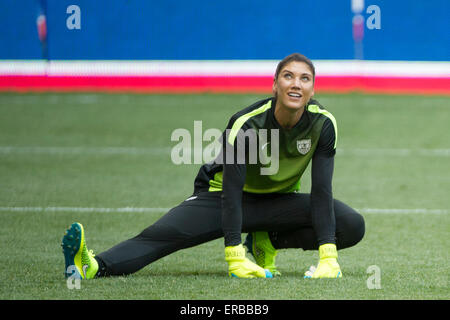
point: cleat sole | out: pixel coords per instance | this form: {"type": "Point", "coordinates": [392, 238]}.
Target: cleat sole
{"type": "Point", "coordinates": [71, 243]}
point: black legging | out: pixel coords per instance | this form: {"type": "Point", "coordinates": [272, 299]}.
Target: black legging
{"type": "Point", "coordinates": [287, 218]}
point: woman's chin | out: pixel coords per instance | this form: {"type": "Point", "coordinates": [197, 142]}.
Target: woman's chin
{"type": "Point", "coordinates": [293, 105]}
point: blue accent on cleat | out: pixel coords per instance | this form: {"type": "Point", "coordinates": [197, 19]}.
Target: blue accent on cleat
{"type": "Point", "coordinates": [234, 276]}
{"type": "Point", "coordinates": [70, 245]}
{"type": "Point", "coordinates": [268, 273]}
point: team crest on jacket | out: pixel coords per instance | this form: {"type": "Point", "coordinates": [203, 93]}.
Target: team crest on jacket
{"type": "Point", "coordinates": [303, 146]}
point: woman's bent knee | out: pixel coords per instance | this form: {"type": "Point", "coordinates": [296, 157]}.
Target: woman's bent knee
{"type": "Point", "coordinates": [350, 226]}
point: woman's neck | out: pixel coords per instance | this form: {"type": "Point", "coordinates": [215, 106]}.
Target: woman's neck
{"type": "Point", "coordinates": [288, 118]}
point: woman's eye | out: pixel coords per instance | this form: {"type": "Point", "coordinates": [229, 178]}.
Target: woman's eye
{"type": "Point", "coordinates": [288, 76]}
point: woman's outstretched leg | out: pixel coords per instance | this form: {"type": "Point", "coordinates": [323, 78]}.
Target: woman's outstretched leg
{"type": "Point", "coordinates": [193, 222]}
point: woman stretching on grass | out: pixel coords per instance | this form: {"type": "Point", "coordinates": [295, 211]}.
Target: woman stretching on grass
{"type": "Point", "coordinates": [239, 193]}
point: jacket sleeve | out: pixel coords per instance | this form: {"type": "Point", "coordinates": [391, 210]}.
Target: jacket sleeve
{"type": "Point", "coordinates": [323, 218]}
{"type": "Point", "coordinates": [233, 180]}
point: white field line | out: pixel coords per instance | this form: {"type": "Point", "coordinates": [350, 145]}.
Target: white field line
{"type": "Point", "coordinates": [400, 152]}
{"type": "Point", "coordinates": [402, 211]}
{"type": "Point", "coordinates": [162, 210]}
{"type": "Point", "coordinates": [81, 209]}
{"type": "Point", "coordinates": [85, 150]}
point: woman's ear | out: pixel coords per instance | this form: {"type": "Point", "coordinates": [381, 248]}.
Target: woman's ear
{"type": "Point", "coordinates": [274, 87]}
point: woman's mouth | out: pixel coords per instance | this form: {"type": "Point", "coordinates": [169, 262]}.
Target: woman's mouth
{"type": "Point", "coordinates": [294, 95]}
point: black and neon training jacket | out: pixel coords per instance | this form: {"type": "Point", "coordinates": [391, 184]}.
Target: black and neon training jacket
{"type": "Point", "coordinates": [313, 138]}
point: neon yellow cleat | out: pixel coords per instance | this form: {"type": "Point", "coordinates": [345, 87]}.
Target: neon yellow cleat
{"type": "Point", "coordinates": [240, 267]}
{"type": "Point", "coordinates": [76, 253]}
{"type": "Point", "coordinates": [328, 266]}
{"type": "Point", "coordinates": [261, 248]}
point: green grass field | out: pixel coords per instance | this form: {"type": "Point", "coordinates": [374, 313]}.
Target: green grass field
{"type": "Point", "coordinates": [113, 151]}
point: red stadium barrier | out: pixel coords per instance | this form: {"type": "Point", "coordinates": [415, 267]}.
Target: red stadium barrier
{"type": "Point", "coordinates": [162, 81]}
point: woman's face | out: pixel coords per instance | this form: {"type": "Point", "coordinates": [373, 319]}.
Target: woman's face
{"type": "Point", "coordinates": [294, 85]}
